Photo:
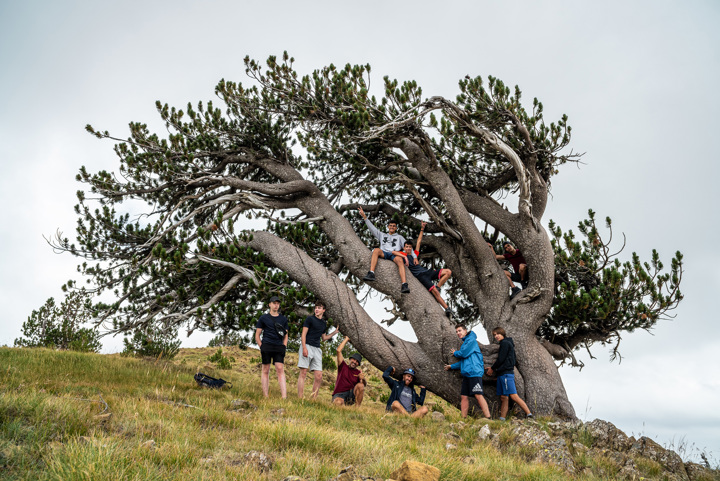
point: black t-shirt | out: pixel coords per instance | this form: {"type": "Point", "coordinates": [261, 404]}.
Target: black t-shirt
{"type": "Point", "coordinates": [316, 328]}
{"type": "Point", "coordinates": [267, 324]}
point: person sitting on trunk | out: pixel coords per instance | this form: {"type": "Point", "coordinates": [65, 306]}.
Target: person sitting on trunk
{"type": "Point", "coordinates": [390, 245]}
{"type": "Point", "coordinates": [504, 369]}
{"type": "Point", "coordinates": [403, 397]}
{"type": "Point", "coordinates": [514, 290]}
{"type": "Point", "coordinates": [350, 382]}
{"type": "Point", "coordinates": [424, 275]}
{"type": "Point", "coordinates": [518, 262]}
{"type": "Point", "coordinates": [472, 369]}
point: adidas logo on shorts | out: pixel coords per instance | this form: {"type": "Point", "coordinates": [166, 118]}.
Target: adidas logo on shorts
{"type": "Point", "coordinates": [477, 388]}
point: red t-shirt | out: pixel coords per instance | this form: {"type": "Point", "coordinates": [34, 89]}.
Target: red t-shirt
{"type": "Point", "coordinates": [346, 378]}
{"type": "Point", "coordinates": [515, 260]}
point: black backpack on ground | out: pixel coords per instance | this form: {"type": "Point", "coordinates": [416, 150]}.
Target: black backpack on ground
{"type": "Point", "coordinates": [204, 380]}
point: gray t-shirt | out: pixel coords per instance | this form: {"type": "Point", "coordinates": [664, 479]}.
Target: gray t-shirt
{"type": "Point", "coordinates": [406, 398]}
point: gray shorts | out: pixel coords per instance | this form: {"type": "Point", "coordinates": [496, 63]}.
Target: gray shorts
{"type": "Point", "coordinates": [347, 396]}
{"type": "Point", "coordinates": [313, 361]}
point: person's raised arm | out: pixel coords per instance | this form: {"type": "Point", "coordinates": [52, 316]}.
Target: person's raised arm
{"type": "Point", "coordinates": [420, 236]}
{"type": "Point", "coordinates": [340, 358]}
{"type": "Point", "coordinates": [327, 337]}
{"type": "Point", "coordinates": [373, 230]}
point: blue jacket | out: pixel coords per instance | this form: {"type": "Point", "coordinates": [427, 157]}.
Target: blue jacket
{"type": "Point", "coordinates": [396, 388]}
{"type": "Point", "coordinates": [471, 359]}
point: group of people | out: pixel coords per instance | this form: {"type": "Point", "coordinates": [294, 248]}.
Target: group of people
{"type": "Point", "coordinates": [271, 336]}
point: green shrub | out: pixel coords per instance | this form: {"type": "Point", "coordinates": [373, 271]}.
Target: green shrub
{"type": "Point", "coordinates": [152, 342]}
{"type": "Point", "coordinates": [60, 327]}
{"type": "Point", "coordinates": [221, 361]}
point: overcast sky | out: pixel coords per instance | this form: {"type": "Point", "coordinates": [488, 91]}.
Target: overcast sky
{"type": "Point", "coordinates": [638, 80]}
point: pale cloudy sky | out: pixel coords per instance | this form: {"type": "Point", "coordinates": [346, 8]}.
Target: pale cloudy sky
{"type": "Point", "coordinates": [639, 81]}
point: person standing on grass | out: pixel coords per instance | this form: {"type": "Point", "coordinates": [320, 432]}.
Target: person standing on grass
{"type": "Point", "coordinates": [273, 343]}
{"type": "Point", "coordinates": [390, 244]}
{"type": "Point", "coordinates": [310, 355]}
{"type": "Point", "coordinates": [472, 369]}
{"type": "Point", "coordinates": [403, 397]}
{"type": "Point", "coordinates": [504, 369]}
{"type": "Point", "coordinates": [350, 383]}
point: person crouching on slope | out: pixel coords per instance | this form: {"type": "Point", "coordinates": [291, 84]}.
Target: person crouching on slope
{"type": "Point", "coordinates": [403, 397]}
{"type": "Point", "coordinates": [472, 369]}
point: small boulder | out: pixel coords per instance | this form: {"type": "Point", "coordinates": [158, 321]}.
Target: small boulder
{"type": "Point", "coordinates": [438, 416]}
{"type": "Point", "coordinates": [607, 436]}
{"type": "Point", "coordinates": [414, 471]}
{"type": "Point", "coordinates": [484, 432]}
{"type": "Point", "coordinates": [670, 460]}
{"type": "Point", "coordinates": [242, 404]}
{"type": "Point", "coordinates": [260, 461]}
{"type": "Point", "coordinates": [450, 447]}
{"type": "Point", "coordinates": [547, 449]}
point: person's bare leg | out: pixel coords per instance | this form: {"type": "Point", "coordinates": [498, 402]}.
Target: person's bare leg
{"type": "Point", "coordinates": [444, 276]}
{"type": "Point", "coordinates": [301, 382]}
{"type": "Point", "coordinates": [338, 401]}
{"type": "Point", "coordinates": [280, 370]}
{"type": "Point", "coordinates": [401, 268]}
{"type": "Point", "coordinates": [359, 392]}
{"type": "Point", "coordinates": [520, 403]}
{"type": "Point", "coordinates": [265, 380]}
{"type": "Point", "coordinates": [464, 405]}
{"type": "Point", "coordinates": [436, 294]}
{"type": "Point", "coordinates": [523, 272]}
{"type": "Point", "coordinates": [509, 278]}
{"type": "Point", "coordinates": [317, 382]}
{"type": "Point", "coordinates": [503, 406]}
{"type": "Point", "coordinates": [375, 256]}
{"type": "Point", "coordinates": [398, 408]}
{"type": "Point", "coordinates": [483, 405]}
{"type": "Point", "coordinates": [420, 412]}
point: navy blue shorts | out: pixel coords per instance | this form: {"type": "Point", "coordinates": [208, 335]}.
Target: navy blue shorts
{"type": "Point", "coordinates": [388, 255]}
{"type": "Point", "coordinates": [471, 386]}
{"type": "Point", "coordinates": [427, 278]}
{"type": "Point", "coordinates": [506, 385]}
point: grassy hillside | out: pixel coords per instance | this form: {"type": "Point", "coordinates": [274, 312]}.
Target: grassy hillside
{"type": "Point", "coordinates": [73, 416]}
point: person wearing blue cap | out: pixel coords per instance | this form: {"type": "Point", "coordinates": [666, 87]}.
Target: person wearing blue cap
{"type": "Point", "coordinates": [403, 397]}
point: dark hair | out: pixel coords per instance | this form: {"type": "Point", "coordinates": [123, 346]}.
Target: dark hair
{"type": "Point", "coordinates": [320, 304]}
{"type": "Point", "coordinates": [461, 325]}
{"type": "Point", "coordinates": [408, 242]}
{"type": "Point", "coordinates": [499, 330]}
{"type": "Point", "coordinates": [392, 222]}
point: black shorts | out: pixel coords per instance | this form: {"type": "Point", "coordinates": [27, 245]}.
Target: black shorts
{"type": "Point", "coordinates": [471, 386]}
{"type": "Point", "coordinates": [515, 277]}
{"type": "Point", "coordinates": [272, 353]}
{"type": "Point", "coordinates": [347, 396]}
{"type": "Point", "coordinates": [427, 278]}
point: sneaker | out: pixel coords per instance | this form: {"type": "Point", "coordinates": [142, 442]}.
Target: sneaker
{"type": "Point", "coordinates": [449, 312]}
{"type": "Point", "coordinates": [369, 277]}
{"type": "Point", "coordinates": [515, 292]}
{"type": "Point", "coordinates": [530, 416]}
{"type": "Point", "coordinates": [403, 288]}
{"type": "Point", "coordinates": [525, 284]}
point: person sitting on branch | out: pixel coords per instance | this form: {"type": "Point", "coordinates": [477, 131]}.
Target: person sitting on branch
{"type": "Point", "coordinates": [391, 245]}
{"type": "Point", "coordinates": [427, 277]}
{"type": "Point", "coordinates": [403, 397]}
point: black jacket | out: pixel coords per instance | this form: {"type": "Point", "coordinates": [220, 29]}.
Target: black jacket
{"type": "Point", "coordinates": [505, 363]}
{"type": "Point", "coordinates": [396, 388]}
